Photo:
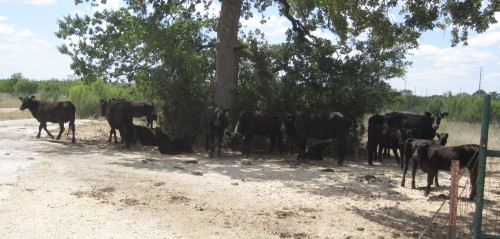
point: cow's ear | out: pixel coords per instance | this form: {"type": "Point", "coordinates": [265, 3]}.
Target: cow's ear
{"type": "Point", "coordinates": [428, 114]}
{"type": "Point", "coordinates": [21, 98]}
{"type": "Point", "coordinates": [444, 115]}
{"type": "Point", "coordinates": [32, 97]}
{"type": "Point", "coordinates": [102, 101]}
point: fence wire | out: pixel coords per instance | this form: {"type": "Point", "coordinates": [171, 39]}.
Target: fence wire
{"type": "Point", "coordinates": [437, 226]}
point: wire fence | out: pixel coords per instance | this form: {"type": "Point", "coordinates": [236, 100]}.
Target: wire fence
{"type": "Point", "coordinates": [437, 226]}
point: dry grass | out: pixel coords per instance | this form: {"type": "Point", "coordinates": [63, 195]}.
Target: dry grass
{"type": "Point", "coordinates": [468, 133]}
{"type": "Point", "coordinates": [9, 101]}
{"type": "Point", "coordinates": [14, 113]}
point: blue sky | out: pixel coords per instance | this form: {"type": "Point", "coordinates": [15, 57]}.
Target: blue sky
{"type": "Point", "coordinates": [28, 46]}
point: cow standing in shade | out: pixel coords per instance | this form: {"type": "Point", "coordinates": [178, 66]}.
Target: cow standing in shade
{"type": "Point", "coordinates": [214, 121]}
{"type": "Point", "coordinates": [257, 122]}
{"type": "Point", "coordinates": [143, 109]}
{"type": "Point", "coordinates": [119, 115]}
{"type": "Point", "coordinates": [322, 126]}
{"type": "Point", "coordinates": [379, 120]}
{"type": "Point", "coordinates": [384, 137]}
{"type": "Point", "coordinates": [51, 111]}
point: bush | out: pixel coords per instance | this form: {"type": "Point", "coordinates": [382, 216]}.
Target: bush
{"type": "Point", "coordinates": [87, 97]}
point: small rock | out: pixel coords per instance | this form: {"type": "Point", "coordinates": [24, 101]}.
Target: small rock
{"type": "Point", "coordinates": [197, 173]}
{"type": "Point", "coordinates": [360, 229]}
{"type": "Point", "coordinates": [159, 184]}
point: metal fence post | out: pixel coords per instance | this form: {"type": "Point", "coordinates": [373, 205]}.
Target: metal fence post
{"type": "Point", "coordinates": [483, 146]}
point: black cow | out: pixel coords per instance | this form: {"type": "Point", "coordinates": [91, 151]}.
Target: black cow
{"type": "Point", "coordinates": [119, 115]}
{"type": "Point", "coordinates": [141, 109]}
{"type": "Point", "coordinates": [177, 146]}
{"type": "Point", "coordinates": [51, 111]}
{"type": "Point", "coordinates": [431, 159]}
{"type": "Point", "coordinates": [214, 121]}
{"type": "Point", "coordinates": [315, 152]}
{"type": "Point", "coordinates": [384, 137]}
{"type": "Point", "coordinates": [413, 144]}
{"type": "Point", "coordinates": [322, 126]}
{"type": "Point", "coordinates": [379, 120]}
{"type": "Point", "coordinates": [257, 122]}
{"type": "Point", "coordinates": [149, 137]}
{"type": "Point", "coordinates": [425, 125]}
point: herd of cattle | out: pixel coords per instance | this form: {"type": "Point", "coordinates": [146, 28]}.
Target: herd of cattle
{"type": "Point", "coordinates": [412, 135]}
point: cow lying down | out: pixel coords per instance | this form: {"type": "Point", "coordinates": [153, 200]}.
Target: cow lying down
{"type": "Point", "coordinates": [155, 137]}
{"type": "Point", "coordinates": [432, 158]}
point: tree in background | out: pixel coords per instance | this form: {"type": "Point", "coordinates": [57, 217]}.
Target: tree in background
{"type": "Point", "coordinates": [155, 42]}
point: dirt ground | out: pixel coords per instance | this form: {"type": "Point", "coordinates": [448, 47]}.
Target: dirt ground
{"type": "Point", "coordinates": [93, 189]}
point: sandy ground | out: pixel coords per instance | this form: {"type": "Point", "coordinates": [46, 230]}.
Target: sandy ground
{"type": "Point", "coordinates": [92, 189]}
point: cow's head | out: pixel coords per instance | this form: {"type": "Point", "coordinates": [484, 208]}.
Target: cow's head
{"type": "Point", "coordinates": [407, 133]}
{"type": "Point", "coordinates": [436, 118]}
{"type": "Point", "coordinates": [104, 104]}
{"type": "Point", "coordinates": [442, 138]}
{"type": "Point", "coordinates": [221, 118]}
{"type": "Point", "coordinates": [420, 151]}
{"type": "Point", "coordinates": [26, 102]}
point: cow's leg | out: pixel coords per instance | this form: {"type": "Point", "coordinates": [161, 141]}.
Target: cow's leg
{"type": "Point", "coordinates": [372, 150]}
{"type": "Point", "coordinates": [436, 179]}
{"type": "Point", "coordinates": [473, 172]}
{"type": "Point", "coordinates": [342, 148]}
{"type": "Point", "coordinates": [272, 137]}
{"type": "Point", "coordinates": [279, 137]}
{"type": "Point", "coordinates": [72, 128]}
{"type": "Point", "coordinates": [387, 153]}
{"type": "Point", "coordinates": [46, 130]}
{"type": "Point", "coordinates": [379, 155]}
{"type": "Point", "coordinates": [112, 132]}
{"type": "Point", "coordinates": [403, 157]}
{"type": "Point", "coordinates": [404, 166]}
{"type": "Point", "coordinates": [211, 145]}
{"type": "Point", "coordinates": [302, 149]}
{"type": "Point", "coordinates": [413, 172]}
{"type": "Point", "coordinates": [246, 144]}
{"type": "Point", "coordinates": [395, 151]}
{"type": "Point", "coordinates": [430, 176]}
{"type": "Point", "coordinates": [149, 121]}
{"type": "Point", "coordinates": [40, 127]}
{"type": "Point", "coordinates": [61, 130]}
{"type": "Point", "coordinates": [219, 143]}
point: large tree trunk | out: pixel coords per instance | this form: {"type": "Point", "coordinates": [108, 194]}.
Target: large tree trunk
{"type": "Point", "coordinates": [227, 57]}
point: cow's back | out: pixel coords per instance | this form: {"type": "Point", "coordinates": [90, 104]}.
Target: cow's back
{"type": "Point", "coordinates": [322, 125]}
{"type": "Point", "coordinates": [142, 108]}
{"type": "Point", "coordinates": [56, 111]}
{"type": "Point", "coordinates": [257, 122]}
{"type": "Point", "coordinates": [464, 153]}
{"type": "Point", "coordinates": [119, 114]}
